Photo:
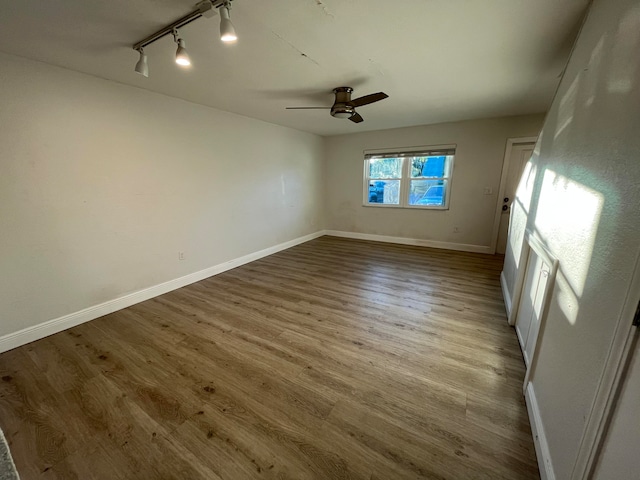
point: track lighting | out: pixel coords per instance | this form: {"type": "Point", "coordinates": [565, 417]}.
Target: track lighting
{"type": "Point", "coordinates": [227, 32]}
{"type": "Point", "coordinates": [182, 57]}
{"type": "Point", "coordinates": [142, 67]}
{"type": "Point", "coordinates": [206, 8]}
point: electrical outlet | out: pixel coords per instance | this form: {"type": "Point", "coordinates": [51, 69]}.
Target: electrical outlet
{"type": "Point", "coordinates": [488, 191]}
{"type": "Point", "coordinates": [180, 255]}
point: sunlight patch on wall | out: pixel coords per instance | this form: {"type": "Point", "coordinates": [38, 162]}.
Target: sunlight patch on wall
{"type": "Point", "coordinates": [525, 187]}
{"type": "Point", "coordinates": [569, 213]}
{"type": "Point", "coordinates": [591, 87]}
{"type": "Point", "coordinates": [521, 206]}
{"type": "Point", "coordinates": [567, 107]}
{"type": "Point", "coordinates": [622, 72]}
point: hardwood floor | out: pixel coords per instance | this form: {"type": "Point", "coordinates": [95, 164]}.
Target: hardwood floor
{"type": "Point", "coordinates": [335, 359]}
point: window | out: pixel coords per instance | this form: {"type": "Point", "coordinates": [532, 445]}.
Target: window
{"type": "Point", "coordinates": [415, 179]}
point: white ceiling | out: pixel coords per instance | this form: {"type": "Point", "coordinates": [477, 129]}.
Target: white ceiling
{"type": "Point", "coordinates": [438, 60]}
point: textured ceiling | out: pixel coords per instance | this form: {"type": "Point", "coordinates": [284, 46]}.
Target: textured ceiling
{"type": "Point", "coordinates": [438, 60]}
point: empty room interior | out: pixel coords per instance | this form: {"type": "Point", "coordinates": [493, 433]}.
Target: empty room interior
{"type": "Point", "coordinates": [320, 239]}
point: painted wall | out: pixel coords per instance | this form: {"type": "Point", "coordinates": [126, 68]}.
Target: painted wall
{"type": "Point", "coordinates": [102, 184]}
{"type": "Point", "coordinates": [619, 459]}
{"type": "Point", "coordinates": [580, 195]}
{"type": "Point", "coordinates": [478, 164]}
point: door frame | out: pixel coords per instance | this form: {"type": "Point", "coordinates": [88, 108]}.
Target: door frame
{"type": "Point", "coordinates": [613, 376]}
{"type": "Point", "coordinates": [531, 242]}
{"type": "Point", "coordinates": [503, 181]}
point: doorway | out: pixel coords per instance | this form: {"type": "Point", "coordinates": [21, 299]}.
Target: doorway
{"type": "Point", "coordinates": [529, 312]}
{"type": "Point", "coordinates": [517, 155]}
{"type": "Point", "coordinates": [531, 296]}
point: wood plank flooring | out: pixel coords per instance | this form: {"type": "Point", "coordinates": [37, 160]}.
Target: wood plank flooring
{"type": "Point", "coordinates": [335, 359]}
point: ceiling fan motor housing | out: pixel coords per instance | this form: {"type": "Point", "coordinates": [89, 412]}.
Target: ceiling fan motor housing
{"type": "Point", "coordinates": [340, 108]}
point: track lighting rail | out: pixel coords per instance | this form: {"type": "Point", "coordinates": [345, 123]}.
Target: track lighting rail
{"type": "Point", "coordinates": [204, 9]}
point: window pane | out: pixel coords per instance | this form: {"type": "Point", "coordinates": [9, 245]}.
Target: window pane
{"type": "Point", "coordinates": [428, 193]}
{"type": "Point", "coordinates": [385, 168]}
{"type": "Point", "coordinates": [384, 191]}
{"type": "Point", "coordinates": [429, 166]}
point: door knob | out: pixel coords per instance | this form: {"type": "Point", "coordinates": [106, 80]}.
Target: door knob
{"type": "Point", "coordinates": [505, 208]}
{"type": "Point", "coordinates": [506, 199]}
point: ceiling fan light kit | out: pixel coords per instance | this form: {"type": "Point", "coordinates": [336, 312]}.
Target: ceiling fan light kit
{"type": "Point", "coordinates": [345, 107]}
{"type": "Point", "coordinates": [343, 113]}
{"type": "Point", "coordinates": [206, 8]}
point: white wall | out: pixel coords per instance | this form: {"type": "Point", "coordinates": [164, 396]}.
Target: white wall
{"type": "Point", "coordinates": [101, 185]}
{"type": "Point", "coordinates": [478, 164]}
{"type": "Point", "coordinates": [580, 196]}
{"type": "Point", "coordinates": [619, 459]}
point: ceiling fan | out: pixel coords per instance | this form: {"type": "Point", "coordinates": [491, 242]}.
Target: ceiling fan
{"type": "Point", "coordinates": [344, 107]}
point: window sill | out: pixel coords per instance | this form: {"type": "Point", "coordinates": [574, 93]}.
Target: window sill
{"type": "Point", "coordinates": [405, 207]}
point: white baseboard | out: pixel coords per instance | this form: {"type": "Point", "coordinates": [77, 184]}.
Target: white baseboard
{"type": "Point", "coordinates": [525, 357]}
{"type": "Point", "coordinates": [539, 439]}
{"type": "Point", "coordinates": [36, 332]}
{"type": "Point", "coordinates": [505, 294]}
{"type": "Point", "coordinates": [463, 247]}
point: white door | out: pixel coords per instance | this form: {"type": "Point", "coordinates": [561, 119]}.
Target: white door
{"type": "Point", "coordinates": [520, 154]}
{"type": "Point", "coordinates": [531, 303]}
{"type": "Point", "coordinates": [619, 458]}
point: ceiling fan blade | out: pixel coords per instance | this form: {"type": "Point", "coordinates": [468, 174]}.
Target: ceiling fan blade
{"type": "Point", "coordinates": [367, 99]}
{"type": "Point", "coordinates": [307, 108]}
{"type": "Point", "coordinates": [356, 118]}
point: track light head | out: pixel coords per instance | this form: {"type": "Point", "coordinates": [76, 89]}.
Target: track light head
{"type": "Point", "coordinates": [182, 57]}
{"type": "Point", "coordinates": [142, 67]}
{"type": "Point", "coordinates": [227, 32]}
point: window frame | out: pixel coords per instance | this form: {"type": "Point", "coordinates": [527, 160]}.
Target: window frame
{"type": "Point", "coordinates": [405, 180]}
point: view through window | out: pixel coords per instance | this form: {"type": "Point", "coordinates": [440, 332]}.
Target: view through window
{"type": "Point", "coordinates": [418, 179]}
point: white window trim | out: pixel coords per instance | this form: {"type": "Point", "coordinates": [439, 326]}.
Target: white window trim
{"type": "Point", "coordinates": [406, 180]}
